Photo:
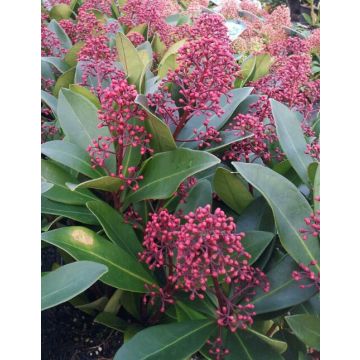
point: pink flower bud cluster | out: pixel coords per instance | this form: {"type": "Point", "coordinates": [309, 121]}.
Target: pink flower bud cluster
{"type": "Point", "coordinates": [69, 26]}
{"type": "Point", "coordinates": [314, 41]}
{"type": "Point", "coordinates": [210, 25]}
{"type": "Point", "coordinates": [230, 9]}
{"type": "Point", "coordinates": [87, 25]}
{"type": "Point", "coordinates": [313, 149]}
{"type": "Point", "coordinates": [290, 82]}
{"type": "Point", "coordinates": [50, 43]}
{"type": "Point", "coordinates": [313, 225]}
{"type": "Point", "coordinates": [194, 7]}
{"type": "Point", "coordinates": [262, 31]}
{"type": "Point", "coordinates": [136, 38]}
{"type": "Point", "coordinates": [98, 60]}
{"type": "Point", "coordinates": [199, 248]}
{"type": "Point", "coordinates": [50, 3]}
{"type": "Point", "coordinates": [206, 71]}
{"type": "Point", "coordinates": [258, 145]}
{"type": "Point", "coordinates": [124, 120]}
{"type": "Point", "coordinates": [305, 273]}
{"type": "Point", "coordinates": [150, 12]}
{"type": "Point", "coordinates": [103, 6]}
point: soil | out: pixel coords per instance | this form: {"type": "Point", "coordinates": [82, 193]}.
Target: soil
{"type": "Point", "coordinates": [68, 333]}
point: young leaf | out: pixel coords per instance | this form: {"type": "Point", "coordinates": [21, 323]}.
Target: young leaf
{"type": "Point", "coordinates": [289, 210]}
{"type": "Point", "coordinates": [105, 183]}
{"type": "Point", "coordinates": [60, 11]}
{"type": "Point", "coordinates": [72, 55]}
{"type": "Point", "coordinates": [306, 328]}
{"type": "Point", "coordinates": [120, 233]}
{"type": "Point", "coordinates": [125, 272]}
{"type": "Point", "coordinates": [68, 281]}
{"type": "Point", "coordinates": [129, 58]}
{"type": "Point", "coordinates": [70, 155]}
{"type": "Point", "coordinates": [64, 81]}
{"type": "Point", "coordinates": [164, 172]}
{"type": "Point", "coordinates": [231, 190]}
{"type": "Point", "coordinates": [176, 341]}
{"type": "Point", "coordinates": [85, 92]}
{"type": "Point", "coordinates": [284, 291]}
{"type": "Point", "coordinates": [291, 137]}
{"type": "Point", "coordinates": [60, 33]}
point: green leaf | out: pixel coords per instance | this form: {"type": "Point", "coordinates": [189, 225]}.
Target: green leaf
{"type": "Point", "coordinates": [54, 174]}
{"type": "Point", "coordinates": [228, 106]}
{"type": "Point", "coordinates": [129, 58]}
{"type": "Point", "coordinates": [68, 281]}
{"type": "Point", "coordinates": [289, 211]}
{"type": "Point", "coordinates": [60, 11]}
{"type": "Point", "coordinates": [291, 137]}
{"type": "Point", "coordinates": [74, 212]}
{"type": "Point", "coordinates": [64, 81]}
{"type": "Point", "coordinates": [169, 64]}
{"type": "Point", "coordinates": [120, 233]}
{"type": "Point", "coordinates": [83, 244]}
{"type": "Point", "coordinates": [231, 190]}
{"type": "Point", "coordinates": [164, 172]}
{"type": "Point", "coordinates": [45, 186]}
{"type": "Point", "coordinates": [49, 100]}
{"type": "Point", "coordinates": [56, 62]}
{"type": "Point", "coordinates": [162, 138]}
{"type": "Point", "coordinates": [317, 189]}
{"type": "Point", "coordinates": [176, 341]}
{"type": "Point", "coordinates": [245, 345]}
{"type": "Point", "coordinates": [106, 183]}
{"type": "Point", "coordinates": [141, 29]}
{"type": "Point", "coordinates": [255, 242]}
{"type": "Point", "coordinates": [86, 93]}
{"type": "Point", "coordinates": [78, 118]}
{"type": "Point", "coordinates": [70, 155]}
{"type": "Point", "coordinates": [72, 55]}
{"type": "Point", "coordinates": [306, 328]}
{"type": "Point", "coordinates": [312, 171]}
{"type": "Point", "coordinates": [247, 69]}
{"type": "Point", "coordinates": [284, 291]}
{"type": "Point", "coordinates": [158, 46]}
{"type": "Point", "coordinates": [257, 216]}
{"type": "Point", "coordinates": [279, 346]}
{"type": "Point", "coordinates": [173, 49]}
{"type": "Point", "coordinates": [60, 33]}
{"type": "Point", "coordinates": [228, 138]}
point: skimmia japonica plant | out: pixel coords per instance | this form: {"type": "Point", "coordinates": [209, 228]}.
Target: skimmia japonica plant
{"type": "Point", "coordinates": [181, 173]}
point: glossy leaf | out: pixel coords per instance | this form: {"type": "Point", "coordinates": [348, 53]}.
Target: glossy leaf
{"type": "Point", "coordinates": [255, 242]}
{"type": "Point", "coordinates": [119, 232]}
{"type": "Point", "coordinates": [169, 64]}
{"type": "Point", "coordinates": [57, 63]}
{"type": "Point", "coordinates": [54, 174]}
{"type": "Point", "coordinates": [173, 49]}
{"type": "Point", "coordinates": [317, 189]}
{"type": "Point", "coordinates": [162, 138]}
{"type": "Point", "coordinates": [164, 172]}
{"type": "Point", "coordinates": [129, 58]}
{"type": "Point", "coordinates": [232, 190]}
{"type": "Point", "coordinates": [68, 281]}
{"type": "Point", "coordinates": [125, 272]}
{"type": "Point", "coordinates": [199, 195]}
{"type": "Point", "coordinates": [78, 118]}
{"type": "Point", "coordinates": [175, 341]}
{"type": "Point", "coordinates": [306, 328]}
{"type": "Point", "coordinates": [106, 183]}
{"type": "Point", "coordinates": [278, 345]}
{"type": "Point", "coordinates": [60, 33]}
{"type": "Point", "coordinates": [85, 92]}
{"type": "Point", "coordinates": [70, 155]}
{"type": "Point", "coordinates": [284, 291]}
{"type": "Point", "coordinates": [74, 212]}
{"type": "Point", "coordinates": [245, 345]}
{"type": "Point", "coordinates": [228, 105]}
{"type": "Point", "coordinates": [289, 211]}
{"type": "Point", "coordinates": [49, 100]}
{"type": "Point", "coordinates": [291, 138]}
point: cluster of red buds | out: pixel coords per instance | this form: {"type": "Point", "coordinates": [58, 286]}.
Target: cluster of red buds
{"type": "Point", "coordinates": [305, 273]}
{"type": "Point", "coordinates": [124, 119]}
{"type": "Point", "coordinates": [201, 252]}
